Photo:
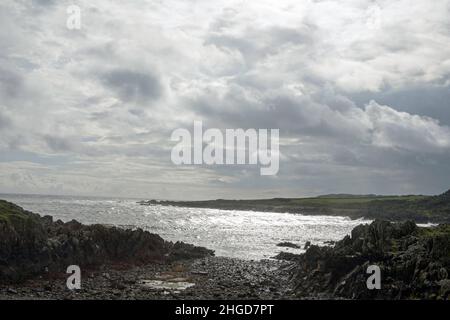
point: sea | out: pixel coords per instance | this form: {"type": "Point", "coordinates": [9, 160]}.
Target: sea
{"type": "Point", "coordinates": [247, 235]}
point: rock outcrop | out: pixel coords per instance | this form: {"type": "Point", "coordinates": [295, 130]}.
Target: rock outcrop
{"type": "Point", "coordinates": [31, 245]}
{"type": "Point", "coordinates": [414, 263]}
{"type": "Point", "coordinates": [288, 245]}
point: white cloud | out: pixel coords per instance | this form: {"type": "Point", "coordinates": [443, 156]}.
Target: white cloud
{"type": "Point", "coordinates": [402, 130]}
{"type": "Point", "coordinates": [111, 93]}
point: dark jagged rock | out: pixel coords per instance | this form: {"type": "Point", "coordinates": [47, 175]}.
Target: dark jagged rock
{"type": "Point", "coordinates": [307, 245]}
{"type": "Point", "coordinates": [286, 256]}
{"type": "Point", "coordinates": [288, 245]}
{"type": "Point", "coordinates": [414, 263]}
{"type": "Point", "coordinates": [181, 251]}
{"type": "Point", "coordinates": [32, 245]}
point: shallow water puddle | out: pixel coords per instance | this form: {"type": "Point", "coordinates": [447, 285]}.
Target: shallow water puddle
{"type": "Point", "coordinates": [169, 284]}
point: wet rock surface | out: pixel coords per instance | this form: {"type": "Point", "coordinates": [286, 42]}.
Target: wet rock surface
{"type": "Point", "coordinates": [206, 278]}
{"type": "Point", "coordinates": [414, 263]}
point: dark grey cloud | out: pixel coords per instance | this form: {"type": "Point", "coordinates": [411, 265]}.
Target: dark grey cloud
{"type": "Point", "coordinates": [5, 121]}
{"type": "Point", "coordinates": [256, 44]}
{"type": "Point", "coordinates": [295, 116]}
{"type": "Point", "coordinates": [44, 3]}
{"type": "Point", "coordinates": [135, 86]}
{"type": "Point", "coordinates": [11, 84]}
{"type": "Point", "coordinates": [59, 144]}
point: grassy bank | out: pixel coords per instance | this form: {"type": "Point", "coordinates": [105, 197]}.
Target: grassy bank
{"type": "Point", "coordinates": [394, 208]}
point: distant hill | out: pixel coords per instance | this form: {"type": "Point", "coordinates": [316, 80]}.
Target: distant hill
{"type": "Point", "coordinates": [346, 195]}
{"type": "Point", "coordinates": [419, 208]}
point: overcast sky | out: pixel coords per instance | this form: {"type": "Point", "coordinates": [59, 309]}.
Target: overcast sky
{"type": "Point", "coordinates": [360, 90]}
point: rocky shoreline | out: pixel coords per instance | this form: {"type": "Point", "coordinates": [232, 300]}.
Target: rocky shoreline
{"type": "Point", "coordinates": [212, 278]}
{"type": "Point", "coordinates": [133, 264]}
{"type": "Point", "coordinates": [414, 263]}
{"type": "Point", "coordinates": [31, 245]}
{"type": "Point", "coordinates": [122, 264]}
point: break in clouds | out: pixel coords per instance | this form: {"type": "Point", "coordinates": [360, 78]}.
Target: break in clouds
{"type": "Point", "coordinates": [359, 90]}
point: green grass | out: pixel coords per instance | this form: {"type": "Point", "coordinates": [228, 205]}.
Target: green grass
{"type": "Point", "coordinates": [441, 230]}
{"type": "Point", "coordinates": [396, 208]}
{"type": "Point", "coordinates": [11, 213]}
{"type": "Point", "coordinates": [351, 202]}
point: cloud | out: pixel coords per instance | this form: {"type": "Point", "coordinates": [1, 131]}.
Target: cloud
{"type": "Point", "coordinates": [425, 100]}
{"type": "Point", "coordinates": [5, 122]}
{"type": "Point", "coordinates": [133, 86]}
{"type": "Point", "coordinates": [358, 89]}
{"type": "Point", "coordinates": [396, 129]}
{"type": "Point", "coordinates": [11, 84]}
